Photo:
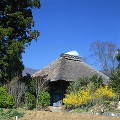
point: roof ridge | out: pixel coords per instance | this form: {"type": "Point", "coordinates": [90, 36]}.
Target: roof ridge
{"type": "Point", "coordinates": [71, 57]}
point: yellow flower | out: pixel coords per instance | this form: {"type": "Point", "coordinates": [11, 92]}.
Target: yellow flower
{"type": "Point", "coordinates": [77, 99]}
{"type": "Point", "coordinates": [104, 93]}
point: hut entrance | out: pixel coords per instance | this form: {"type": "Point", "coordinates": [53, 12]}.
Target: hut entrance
{"type": "Point", "coordinates": [57, 91]}
{"type": "Point", "coordinates": [57, 97]}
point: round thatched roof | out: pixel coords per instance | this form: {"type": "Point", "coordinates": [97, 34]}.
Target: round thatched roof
{"type": "Point", "coordinates": [68, 68]}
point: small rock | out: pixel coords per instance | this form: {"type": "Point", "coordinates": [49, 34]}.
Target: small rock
{"type": "Point", "coordinates": [102, 111]}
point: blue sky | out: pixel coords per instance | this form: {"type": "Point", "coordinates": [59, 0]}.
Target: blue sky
{"type": "Point", "coordinates": [67, 25]}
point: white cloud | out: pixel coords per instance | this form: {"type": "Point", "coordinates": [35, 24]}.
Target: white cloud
{"type": "Point", "coordinates": [73, 52]}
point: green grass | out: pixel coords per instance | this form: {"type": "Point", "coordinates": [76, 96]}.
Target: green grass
{"type": "Point", "coordinates": [81, 110]}
{"type": "Point", "coordinates": [9, 114]}
{"type": "Point", "coordinates": [30, 113]}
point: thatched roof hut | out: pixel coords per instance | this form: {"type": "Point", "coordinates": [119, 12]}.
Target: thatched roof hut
{"type": "Point", "coordinates": [68, 68]}
{"type": "Point", "coordinates": [63, 70]}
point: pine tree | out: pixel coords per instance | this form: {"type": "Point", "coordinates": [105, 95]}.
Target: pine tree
{"type": "Point", "coordinates": [16, 21]}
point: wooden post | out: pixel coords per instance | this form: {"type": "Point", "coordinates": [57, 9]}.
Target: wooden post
{"type": "Point", "coordinates": [16, 117]}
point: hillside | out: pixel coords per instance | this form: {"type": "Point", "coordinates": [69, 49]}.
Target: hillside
{"type": "Point", "coordinates": [29, 71]}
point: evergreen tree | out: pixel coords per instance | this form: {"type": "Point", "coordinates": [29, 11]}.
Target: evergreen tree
{"type": "Point", "coordinates": [118, 58]}
{"type": "Point", "coordinates": [115, 81]}
{"type": "Point", "coordinates": [16, 21]}
{"type": "Point", "coordinates": [115, 77]}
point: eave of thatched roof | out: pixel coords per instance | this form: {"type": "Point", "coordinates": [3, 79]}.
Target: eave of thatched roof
{"type": "Point", "coordinates": [68, 68]}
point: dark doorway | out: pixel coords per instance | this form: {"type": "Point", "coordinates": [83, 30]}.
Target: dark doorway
{"type": "Point", "coordinates": [57, 91]}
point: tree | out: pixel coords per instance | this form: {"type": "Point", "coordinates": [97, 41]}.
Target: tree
{"type": "Point", "coordinates": [115, 77]}
{"type": "Point", "coordinates": [104, 53]}
{"type": "Point", "coordinates": [118, 57]}
{"type": "Point", "coordinates": [115, 81]}
{"type": "Point", "coordinates": [41, 87]}
{"type": "Point", "coordinates": [37, 89]}
{"type": "Point", "coordinates": [16, 22]}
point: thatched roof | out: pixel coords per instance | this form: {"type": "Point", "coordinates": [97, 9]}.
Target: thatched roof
{"type": "Point", "coordinates": [68, 68]}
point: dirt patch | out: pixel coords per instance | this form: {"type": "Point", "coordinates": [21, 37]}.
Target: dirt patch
{"type": "Point", "coordinates": [46, 115]}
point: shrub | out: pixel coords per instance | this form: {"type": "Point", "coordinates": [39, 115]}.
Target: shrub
{"type": "Point", "coordinates": [6, 100]}
{"type": "Point", "coordinates": [83, 82]}
{"type": "Point", "coordinates": [104, 93]}
{"type": "Point", "coordinates": [70, 100]}
{"type": "Point", "coordinates": [85, 97]}
{"type": "Point", "coordinates": [30, 100]}
{"type": "Point", "coordinates": [77, 85]}
{"type": "Point", "coordinates": [44, 99]}
{"type": "Point", "coordinates": [97, 81]}
{"type": "Point", "coordinates": [82, 97]}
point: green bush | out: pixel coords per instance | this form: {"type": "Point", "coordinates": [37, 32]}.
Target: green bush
{"type": "Point", "coordinates": [30, 100]}
{"type": "Point", "coordinates": [6, 100]}
{"type": "Point", "coordinates": [75, 86]}
{"type": "Point", "coordinates": [115, 81]}
{"type": "Point", "coordinates": [95, 82]}
{"type": "Point", "coordinates": [44, 99]}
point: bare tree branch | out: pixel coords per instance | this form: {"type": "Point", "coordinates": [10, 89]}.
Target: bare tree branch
{"type": "Point", "coordinates": [104, 54]}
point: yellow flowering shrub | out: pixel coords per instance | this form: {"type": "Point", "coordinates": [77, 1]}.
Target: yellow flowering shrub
{"type": "Point", "coordinates": [82, 97]}
{"type": "Point", "coordinates": [78, 98]}
{"type": "Point", "coordinates": [104, 93]}
{"type": "Point", "coordinates": [70, 99]}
